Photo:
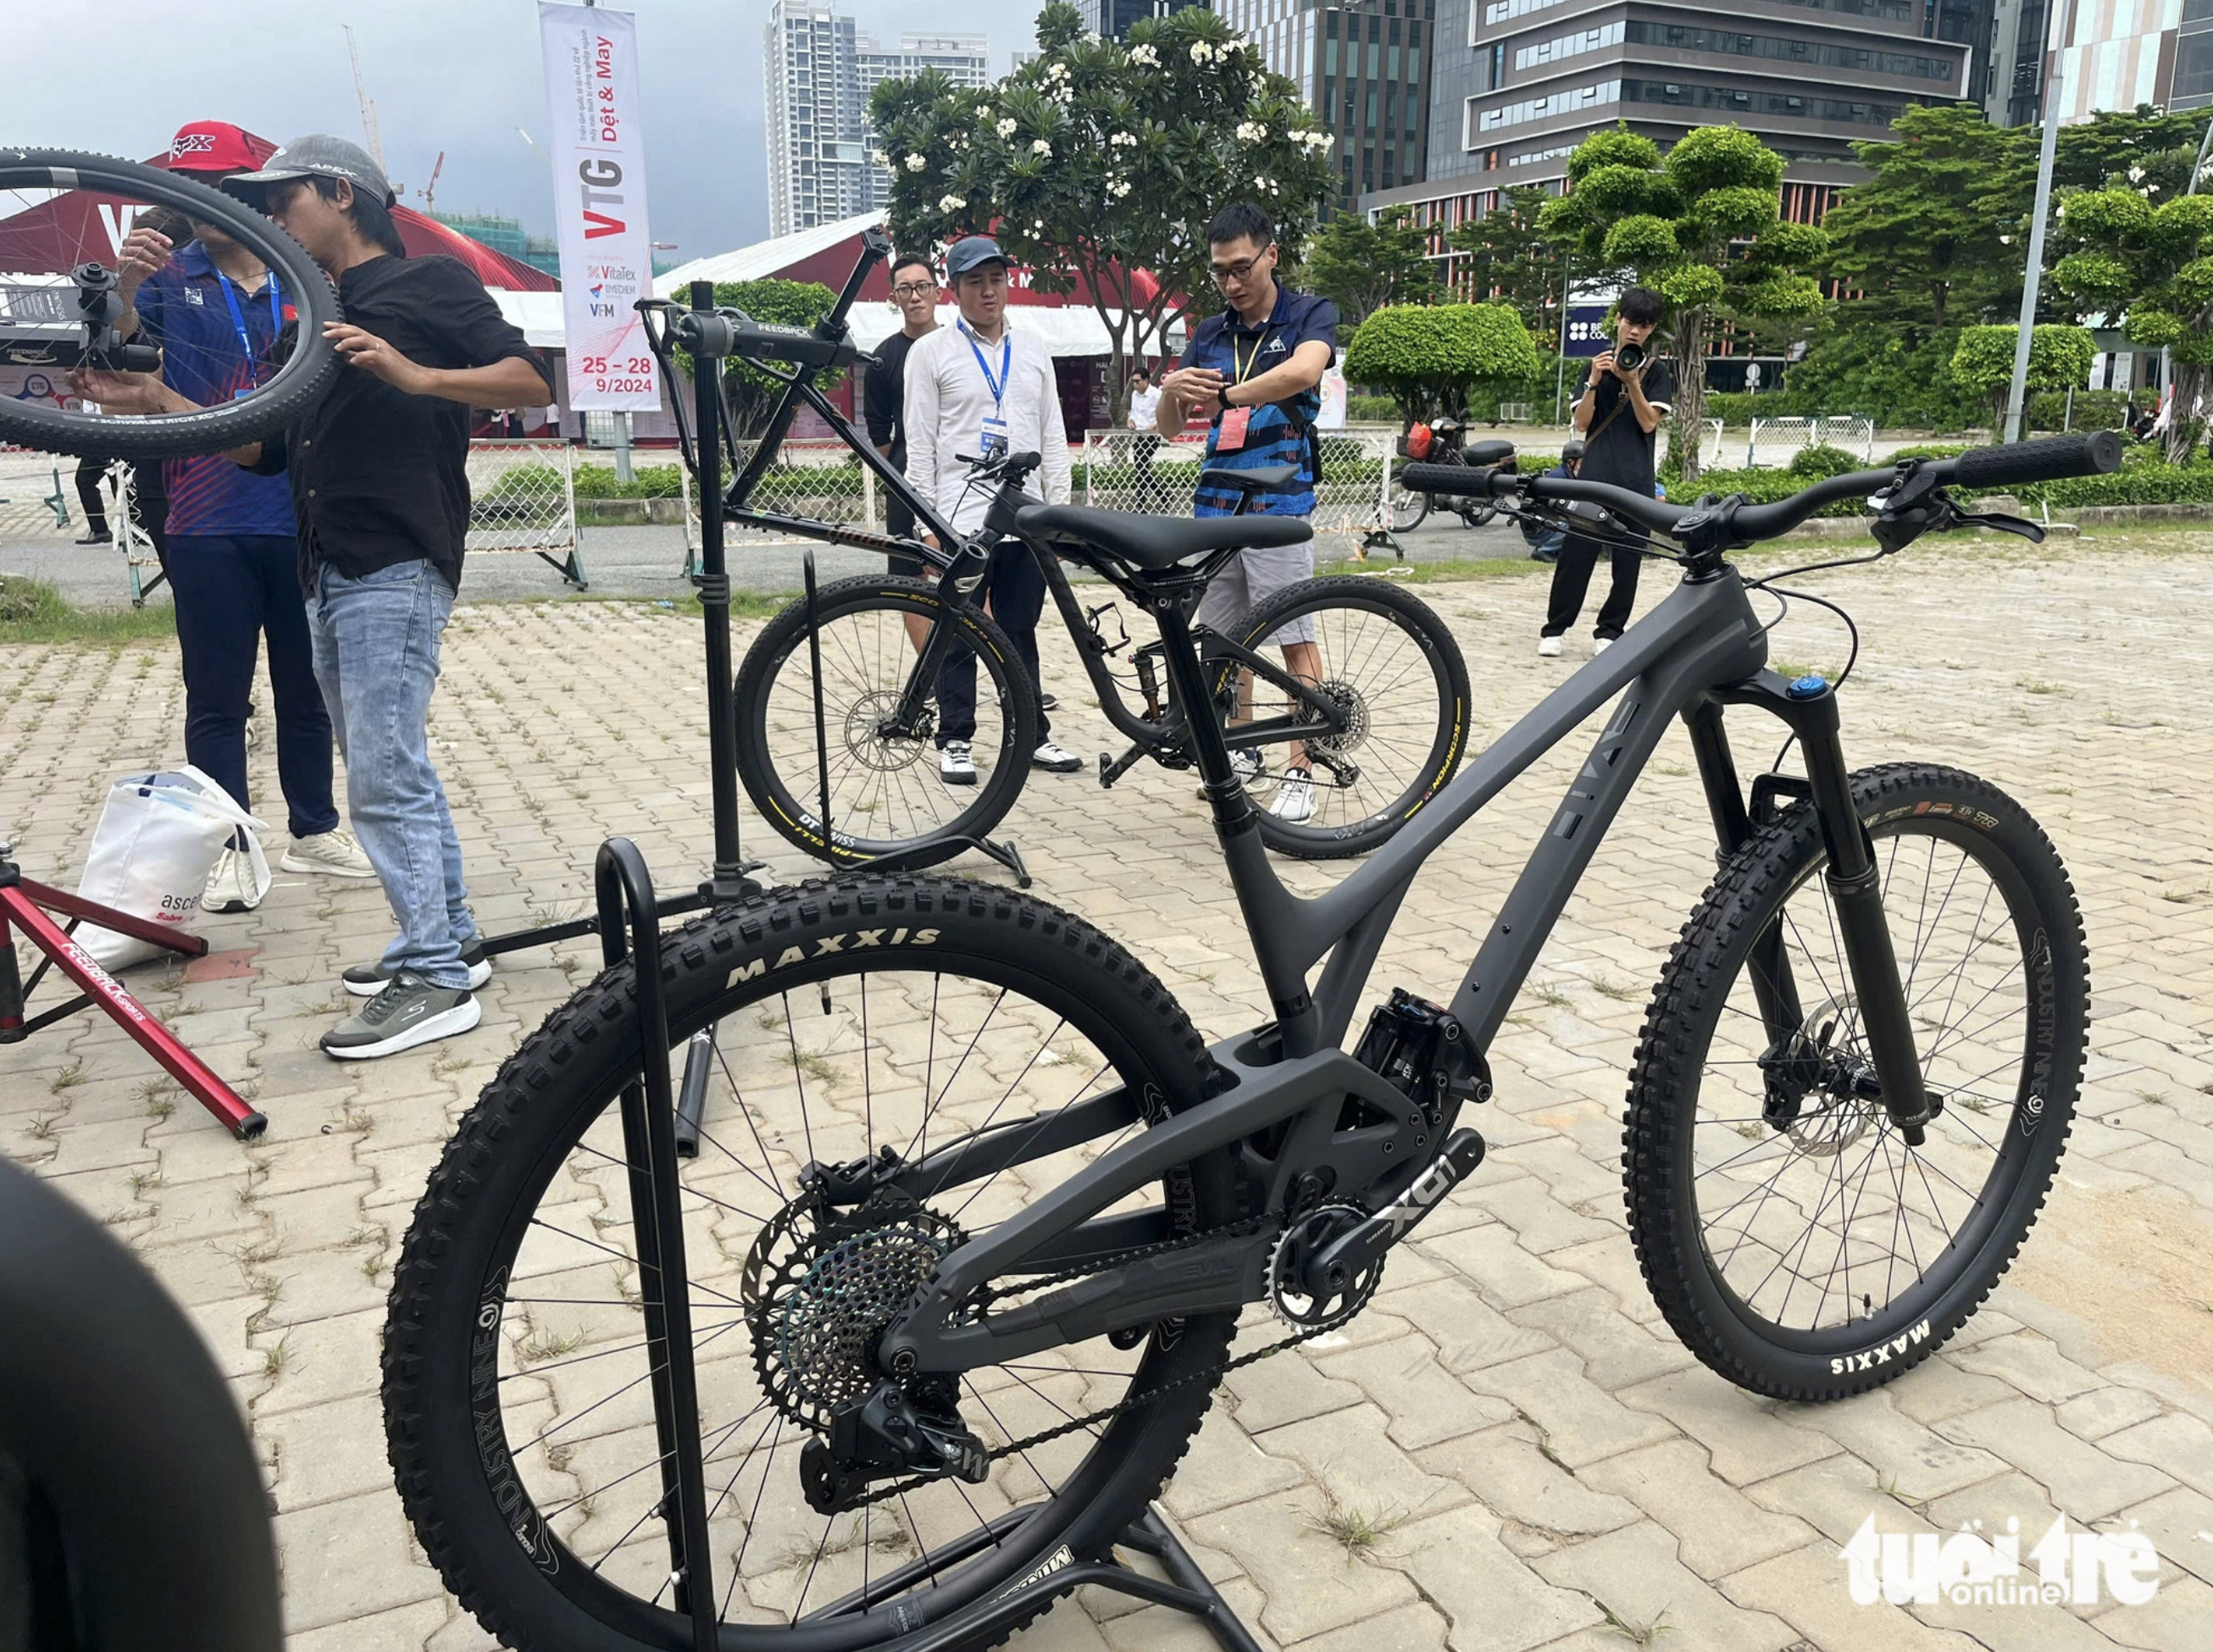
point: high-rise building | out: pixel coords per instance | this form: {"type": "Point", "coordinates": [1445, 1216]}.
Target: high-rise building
{"type": "Point", "coordinates": [2117, 54]}
{"type": "Point", "coordinates": [1516, 84]}
{"type": "Point", "coordinates": [1113, 18]}
{"type": "Point", "coordinates": [820, 72]}
{"type": "Point", "coordinates": [1361, 65]}
{"type": "Point", "coordinates": [506, 236]}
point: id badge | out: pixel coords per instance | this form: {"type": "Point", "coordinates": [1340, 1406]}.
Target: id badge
{"type": "Point", "coordinates": [1230, 434]}
{"type": "Point", "coordinates": [994, 441]}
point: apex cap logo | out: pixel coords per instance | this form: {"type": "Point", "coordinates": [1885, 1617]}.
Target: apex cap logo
{"type": "Point", "coordinates": [1968, 1570]}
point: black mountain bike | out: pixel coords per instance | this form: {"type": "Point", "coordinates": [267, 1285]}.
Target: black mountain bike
{"type": "Point", "coordinates": [1382, 728]}
{"type": "Point", "coordinates": [64, 290]}
{"type": "Point", "coordinates": [945, 1294]}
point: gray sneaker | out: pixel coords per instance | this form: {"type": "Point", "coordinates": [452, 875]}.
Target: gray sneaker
{"type": "Point", "coordinates": [408, 1012]}
{"type": "Point", "coordinates": [366, 980]}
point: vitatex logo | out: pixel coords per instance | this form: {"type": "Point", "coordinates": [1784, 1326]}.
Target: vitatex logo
{"type": "Point", "coordinates": [1967, 1569]}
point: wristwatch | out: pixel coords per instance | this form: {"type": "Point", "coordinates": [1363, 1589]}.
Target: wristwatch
{"type": "Point", "coordinates": [1222, 395]}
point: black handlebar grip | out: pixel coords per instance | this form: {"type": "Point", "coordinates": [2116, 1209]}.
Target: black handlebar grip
{"type": "Point", "coordinates": [2082, 454]}
{"type": "Point", "coordinates": [1445, 478]}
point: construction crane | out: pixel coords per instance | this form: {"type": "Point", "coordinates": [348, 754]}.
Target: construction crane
{"type": "Point", "coordinates": [430, 189]}
{"type": "Point", "coordinates": [368, 105]}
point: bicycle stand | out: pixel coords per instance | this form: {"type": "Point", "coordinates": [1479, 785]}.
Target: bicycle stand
{"type": "Point", "coordinates": [654, 1115]}
{"type": "Point", "coordinates": [25, 906]}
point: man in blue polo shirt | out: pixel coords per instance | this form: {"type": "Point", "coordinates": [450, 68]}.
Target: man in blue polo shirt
{"type": "Point", "coordinates": [1255, 371]}
{"type": "Point", "coordinates": [215, 313]}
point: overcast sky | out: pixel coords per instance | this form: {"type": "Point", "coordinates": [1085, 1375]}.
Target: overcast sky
{"type": "Point", "coordinates": [454, 75]}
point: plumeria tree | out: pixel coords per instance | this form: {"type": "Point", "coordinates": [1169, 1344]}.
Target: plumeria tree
{"type": "Point", "coordinates": [1098, 164]}
{"type": "Point", "coordinates": [1703, 227]}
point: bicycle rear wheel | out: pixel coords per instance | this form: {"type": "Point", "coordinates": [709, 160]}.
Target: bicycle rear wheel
{"type": "Point", "coordinates": [886, 795]}
{"type": "Point", "coordinates": [1389, 663]}
{"type": "Point", "coordinates": [1795, 1243]}
{"type": "Point", "coordinates": [845, 1019]}
{"type": "Point", "coordinates": [64, 217]}
{"type": "Point", "coordinates": [1405, 510]}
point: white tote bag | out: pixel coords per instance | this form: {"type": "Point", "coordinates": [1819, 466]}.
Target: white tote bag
{"type": "Point", "coordinates": [156, 844]}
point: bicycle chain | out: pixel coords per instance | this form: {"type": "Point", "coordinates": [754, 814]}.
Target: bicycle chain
{"type": "Point", "coordinates": [1128, 1402]}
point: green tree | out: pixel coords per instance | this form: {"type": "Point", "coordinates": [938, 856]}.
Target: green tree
{"type": "Point", "coordinates": [1702, 227]}
{"type": "Point", "coordinates": [1919, 241]}
{"type": "Point", "coordinates": [1100, 163]}
{"type": "Point", "coordinates": [1510, 259]}
{"type": "Point", "coordinates": [2058, 359]}
{"type": "Point", "coordinates": [2153, 264]}
{"type": "Point", "coordinates": [1429, 357]}
{"type": "Point", "coordinates": [751, 392]}
{"type": "Point", "coordinates": [1361, 266]}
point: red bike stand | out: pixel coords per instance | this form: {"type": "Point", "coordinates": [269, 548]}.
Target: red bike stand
{"type": "Point", "coordinates": [24, 906]}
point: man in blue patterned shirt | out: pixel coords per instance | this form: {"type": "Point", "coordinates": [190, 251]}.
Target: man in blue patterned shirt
{"type": "Point", "coordinates": [1255, 371]}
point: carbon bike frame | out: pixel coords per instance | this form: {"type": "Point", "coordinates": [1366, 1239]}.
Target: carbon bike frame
{"type": "Point", "coordinates": [1699, 649]}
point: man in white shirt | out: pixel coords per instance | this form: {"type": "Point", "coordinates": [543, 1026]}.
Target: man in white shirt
{"type": "Point", "coordinates": [1144, 413]}
{"type": "Point", "coordinates": [975, 387]}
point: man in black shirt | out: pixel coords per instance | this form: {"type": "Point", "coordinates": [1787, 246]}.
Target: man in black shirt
{"type": "Point", "coordinates": [1617, 412]}
{"type": "Point", "coordinates": [883, 388]}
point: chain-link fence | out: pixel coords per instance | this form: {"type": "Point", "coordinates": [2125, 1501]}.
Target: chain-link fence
{"type": "Point", "coordinates": [821, 480]}
{"type": "Point", "coordinates": [1778, 440]}
{"type": "Point", "coordinates": [522, 497]}
{"type": "Point", "coordinates": [38, 499]}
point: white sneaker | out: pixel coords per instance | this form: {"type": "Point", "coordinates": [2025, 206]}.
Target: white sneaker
{"type": "Point", "coordinates": [1054, 759]}
{"type": "Point", "coordinates": [336, 853]}
{"type": "Point", "coordinates": [956, 767]}
{"type": "Point", "coordinates": [231, 885]}
{"type": "Point", "coordinates": [1293, 804]}
{"type": "Point", "coordinates": [1601, 646]}
{"type": "Point", "coordinates": [1548, 648]}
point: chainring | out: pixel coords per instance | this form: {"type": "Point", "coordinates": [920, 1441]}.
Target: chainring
{"type": "Point", "coordinates": [1287, 1295]}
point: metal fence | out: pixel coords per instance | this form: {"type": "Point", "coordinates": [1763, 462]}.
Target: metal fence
{"type": "Point", "coordinates": [38, 498]}
{"type": "Point", "coordinates": [522, 497]}
{"type": "Point", "coordinates": [1778, 440]}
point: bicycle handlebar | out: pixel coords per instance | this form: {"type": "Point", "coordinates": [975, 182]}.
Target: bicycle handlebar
{"type": "Point", "coordinates": [2082, 454]}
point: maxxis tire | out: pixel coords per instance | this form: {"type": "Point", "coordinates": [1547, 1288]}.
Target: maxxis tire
{"type": "Point", "coordinates": [511, 1142]}
{"type": "Point", "coordinates": [298, 383]}
{"type": "Point", "coordinates": [1448, 746]}
{"type": "Point", "coordinates": [1664, 1082]}
{"type": "Point", "coordinates": [793, 817]}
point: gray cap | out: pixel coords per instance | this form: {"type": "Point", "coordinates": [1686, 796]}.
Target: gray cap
{"type": "Point", "coordinates": [972, 252]}
{"type": "Point", "coordinates": [316, 156]}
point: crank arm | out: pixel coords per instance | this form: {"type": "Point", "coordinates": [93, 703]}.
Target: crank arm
{"type": "Point", "coordinates": [1338, 1264]}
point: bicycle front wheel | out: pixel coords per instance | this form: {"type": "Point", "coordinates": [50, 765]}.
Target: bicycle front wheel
{"type": "Point", "coordinates": [1794, 1240]}
{"type": "Point", "coordinates": [1405, 510]}
{"type": "Point", "coordinates": [889, 791]}
{"type": "Point", "coordinates": [1386, 662]}
{"type": "Point", "coordinates": [63, 216]}
{"type": "Point", "coordinates": [835, 1023]}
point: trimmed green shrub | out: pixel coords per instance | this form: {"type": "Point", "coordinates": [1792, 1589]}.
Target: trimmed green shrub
{"type": "Point", "coordinates": [1821, 460]}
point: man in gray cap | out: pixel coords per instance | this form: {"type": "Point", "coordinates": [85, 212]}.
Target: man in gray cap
{"type": "Point", "coordinates": [976, 387]}
{"type": "Point", "coordinates": [380, 498]}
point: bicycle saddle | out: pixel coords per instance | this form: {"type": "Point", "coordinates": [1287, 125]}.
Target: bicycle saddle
{"type": "Point", "coordinates": [1157, 542]}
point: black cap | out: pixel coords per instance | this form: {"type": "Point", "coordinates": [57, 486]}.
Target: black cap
{"type": "Point", "coordinates": [972, 252]}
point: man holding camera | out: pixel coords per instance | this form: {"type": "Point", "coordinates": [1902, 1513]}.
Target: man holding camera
{"type": "Point", "coordinates": [1627, 393]}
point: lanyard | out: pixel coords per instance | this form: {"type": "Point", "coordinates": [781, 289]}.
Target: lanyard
{"type": "Point", "coordinates": [996, 386]}
{"type": "Point", "coordinates": [237, 317]}
{"type": "Point", "coordinates": [1246, 364]}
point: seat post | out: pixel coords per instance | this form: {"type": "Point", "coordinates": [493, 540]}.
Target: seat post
{"type": "Point", "coordinates": [1233, 810]}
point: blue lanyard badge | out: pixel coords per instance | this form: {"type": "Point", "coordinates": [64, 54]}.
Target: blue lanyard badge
{"type": "Point", "coordinates": [238, 322]}
{"type": "Point", "coordinates": [992, 439]}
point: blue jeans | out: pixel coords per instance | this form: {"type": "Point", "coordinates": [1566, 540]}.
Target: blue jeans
{"type": "Point", "coordinates": [231, 588]}
{"type": "Point", "coordinates": [376, 657]}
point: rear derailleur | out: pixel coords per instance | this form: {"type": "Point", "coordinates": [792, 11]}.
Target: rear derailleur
{"type": "Point", "coordinates": [898, 1431]}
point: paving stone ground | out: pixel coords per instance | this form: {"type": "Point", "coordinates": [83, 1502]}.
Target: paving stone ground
{"type": "Point", "coordinates": [1546, 1465]}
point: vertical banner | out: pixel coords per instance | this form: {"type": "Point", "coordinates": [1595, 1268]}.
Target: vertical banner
{"type": "Point", "coordinates": [599, 205]}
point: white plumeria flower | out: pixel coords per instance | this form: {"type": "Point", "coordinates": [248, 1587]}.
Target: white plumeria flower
{"type": "Point", "coordinates": [1038, 146]}
{"type": "Point", "coordinates": [1144, 54]}
{"type": "Point", "coordinates": [2005, 241]}
{"type": "Point", "coordinates": [1251, 132]}
{"type": "Point", "coordinates": [1200, 52]}
{"type": "Point", "coordinates": [1057, 71]}
{"type": "Point", "coordinates": [916, 163]}
{"type": "Point", "coordinates": [2135, 175]}
{"type": "Point", "coordinates": [950, 204]}
{"type": "Point", "coordinates": [1118, 188]}
{"type": "Point", "coordinates": [984, 110]}
{"type": "Point", "coordinates": [1007, 127]}
{"type": "Point", "coordinates": [1122, 140]}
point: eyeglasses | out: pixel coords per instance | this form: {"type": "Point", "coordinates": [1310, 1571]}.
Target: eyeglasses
{"type": "Point", "coordinates": [1240, 271]}
{"type": "Point", "coordinates": [914, 289]}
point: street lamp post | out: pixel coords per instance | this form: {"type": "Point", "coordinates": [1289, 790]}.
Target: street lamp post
{"type": "Point", "coordinates": [2036, 227]}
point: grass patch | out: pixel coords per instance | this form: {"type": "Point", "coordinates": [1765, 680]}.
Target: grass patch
{"type": "Point", "coordinates": [31, 610]}
{"type": "Point", "coordinates": [1355, 1530]}
{"type": "Point", "coordinates": [1436, 573]}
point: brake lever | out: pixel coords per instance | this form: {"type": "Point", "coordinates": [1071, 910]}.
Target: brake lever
{"type": "Point", "coordinates": [2033, 532]}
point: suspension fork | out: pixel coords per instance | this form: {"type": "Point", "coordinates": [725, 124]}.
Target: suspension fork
{"type": "Point", "coordinates": [1855, 891]}
{"type": "Point", "coordinates": [1773, 986]}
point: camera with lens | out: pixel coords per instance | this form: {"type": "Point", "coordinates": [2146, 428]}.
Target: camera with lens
{"type": "Point", "coordinates": [1629, 356]}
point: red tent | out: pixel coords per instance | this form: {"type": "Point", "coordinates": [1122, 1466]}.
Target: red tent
{"type": "Point", "coordinates": [55, 236]}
